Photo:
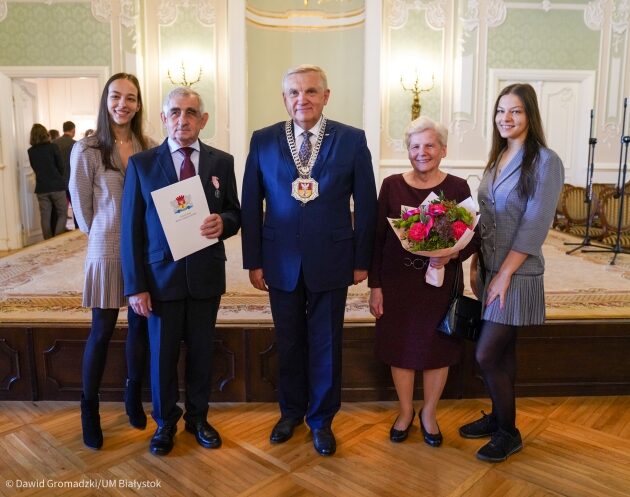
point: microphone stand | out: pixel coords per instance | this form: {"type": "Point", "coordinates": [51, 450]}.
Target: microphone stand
{"type": "Point", "coordinates": [621, 184]}
{"type": "Point", "coordinates": [588, 194]}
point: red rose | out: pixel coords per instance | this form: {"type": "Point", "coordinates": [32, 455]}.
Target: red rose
{"type": "Point", "coordinates": [458, 228]}
{"type": "Point", "coordinates": [436, 209]}
{"type": "Point", "coordinates": [419, 231]}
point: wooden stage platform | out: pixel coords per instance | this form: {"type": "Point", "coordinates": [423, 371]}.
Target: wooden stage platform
{"type": "Point", "coordinates": [582, 349]}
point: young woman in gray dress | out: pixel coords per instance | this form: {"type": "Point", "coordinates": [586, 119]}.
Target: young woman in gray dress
{"type": "Point", "coordinates": [517, 200]}
{"type": "Point", "coordinates": [98, 165]}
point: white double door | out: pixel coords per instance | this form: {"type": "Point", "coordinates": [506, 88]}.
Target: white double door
{"type": "Point", "coordinates": [565, 100]}
{"type": "Point", "coordinates": [19, 220]}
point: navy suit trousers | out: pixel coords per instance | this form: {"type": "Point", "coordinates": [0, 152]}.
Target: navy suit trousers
{"type": "Point", "coordinates": [309, 328]}
{"type": "Point", "coordinates": [170, 322]}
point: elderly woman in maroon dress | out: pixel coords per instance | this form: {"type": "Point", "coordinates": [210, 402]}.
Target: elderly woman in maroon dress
{"type": "Point", "coordinates": [407, 309]}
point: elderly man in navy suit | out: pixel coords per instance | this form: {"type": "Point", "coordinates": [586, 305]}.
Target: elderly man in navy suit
{"type": "Point", "coordinates": [306, 248]}
{"type": "Point", "coordinates": [180, 298]}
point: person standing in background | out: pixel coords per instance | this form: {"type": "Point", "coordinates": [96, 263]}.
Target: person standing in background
{"type": "Point", "coordinates": [98, 165]}
{"type": "Point", "coordinates": [49, 185]}
{"type": "Point", "coordinates": [65, 143]}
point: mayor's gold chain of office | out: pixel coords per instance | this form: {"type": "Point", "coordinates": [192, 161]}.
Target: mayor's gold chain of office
{"type": "Point", "coordinates": [304, 170]}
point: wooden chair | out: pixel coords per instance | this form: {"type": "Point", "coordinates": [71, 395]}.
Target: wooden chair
{"type": "Point", "coordinates": [609, 215]}
{"type": "Point", "coordinates": [559, 221]}
{"type": "Point", "coordinates": [575, 212]}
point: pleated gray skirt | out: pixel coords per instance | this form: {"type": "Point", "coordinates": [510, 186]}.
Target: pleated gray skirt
{"type": "Point", "coordinates": [524, 301]}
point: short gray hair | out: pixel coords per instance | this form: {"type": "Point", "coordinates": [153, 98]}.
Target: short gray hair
{"type": "Point", "coordinates": [306, 68]}
{"type": "Point", "coordinates": [181, 91]}
{"type": "Point", "coordinates": [422, 124]}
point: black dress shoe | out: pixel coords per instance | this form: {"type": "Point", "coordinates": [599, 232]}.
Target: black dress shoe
{"type": "Point", "coordinates": [324, 441]}
{"type": "Point", "coordinates": [162, 441]}
{"type": "Point", "coordinates": [433, 439]}
{"type": "Point", "coordinates": [283, 430]}
{"type": "Point", "coordinates": [398, 436]}
{"type": "Point", "coordinates": [205, 434]}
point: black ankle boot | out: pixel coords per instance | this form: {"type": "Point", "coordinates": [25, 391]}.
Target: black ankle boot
{"type": "Point", "coordinates": [133, 404]}
{"type": "Point", "coordinates": [91, 423]}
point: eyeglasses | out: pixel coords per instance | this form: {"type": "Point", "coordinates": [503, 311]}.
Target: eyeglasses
{"type": "Point", "coordinates": [415, 263]}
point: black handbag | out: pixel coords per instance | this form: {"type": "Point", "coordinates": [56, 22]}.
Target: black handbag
{"type": "Point", "coordinates": [463, 318]}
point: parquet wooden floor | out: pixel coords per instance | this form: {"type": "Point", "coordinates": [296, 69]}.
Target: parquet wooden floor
{"type": "Point", "coordinates": [577, 446]}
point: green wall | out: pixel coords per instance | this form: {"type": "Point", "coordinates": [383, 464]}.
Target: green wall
{"type": "Point", "coordinates": [61, 34]}
{"type": "Point", "coordinates": [270, 53]}
{"type": "Point", "coordinates": [187, 39]}
{"type": "Point", "coordinates": [419, 46]}
{"type": "Point", "coordinates": [533, 39]}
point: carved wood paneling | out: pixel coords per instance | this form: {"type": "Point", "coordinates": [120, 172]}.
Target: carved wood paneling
{"type": "Point", "coordinates": [558, 358]}
{"type": "Point", "coordinates": [15, 375]}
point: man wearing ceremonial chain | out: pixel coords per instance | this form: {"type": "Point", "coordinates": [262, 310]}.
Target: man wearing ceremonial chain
{"type": "Point", "coordinates": [302, 245]}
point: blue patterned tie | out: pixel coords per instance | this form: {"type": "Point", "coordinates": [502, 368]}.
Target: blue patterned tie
{"type": "Point", "coordinates": [305, 148]}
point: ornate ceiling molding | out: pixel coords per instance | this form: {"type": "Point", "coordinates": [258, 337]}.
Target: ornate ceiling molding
{"type": "Point", "coordinates": [496, 13]}
{"type": "Point", "coordinates": [102, 12]}
{"type": "Point", "coordinates": [398, 12]}
{"type": "Point", "coordinates": [298, 19]}
{"type": "Point", "coordinates": [167, 11]}
{"type": "Point", "coordinates": [596, 11]}
{"type": "Point", "coordinates": [3, 10]}
{"type": "Point", "coordinates": [594, 14]}
{"type": "Point", "coordinates": [621, 16]}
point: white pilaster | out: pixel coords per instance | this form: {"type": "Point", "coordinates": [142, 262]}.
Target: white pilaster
{"type": "Point", "coordinates": [372, 92]}
{"type": "Point", "coordinates": [237, 86]}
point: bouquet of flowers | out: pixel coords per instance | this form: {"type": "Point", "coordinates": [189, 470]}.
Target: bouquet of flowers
{"type": "Point", "coordinates": [437, 228]}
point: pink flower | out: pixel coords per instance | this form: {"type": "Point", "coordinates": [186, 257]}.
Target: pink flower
{"type": "Point", "coordinates": [419, 231]}
{"type": "Point", "coordinates": [410, 212]}
{"type": "Point", "coordinates": [436, 209]}
{"type": "Point", "coordinates": [458, 228]}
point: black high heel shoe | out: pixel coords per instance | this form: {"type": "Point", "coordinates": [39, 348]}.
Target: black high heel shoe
{"type": "Point", "coordinates": [133, 405]}
{"type": "Point", "coordinates": [398, 436]}
{"type": "Point", "coordinates": [433, 439]}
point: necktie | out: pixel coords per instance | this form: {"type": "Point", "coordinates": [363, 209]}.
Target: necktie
{"type": "Point", "coordinates": [187, 169]}
{"type": "Point", "coordinates": [305, 148]}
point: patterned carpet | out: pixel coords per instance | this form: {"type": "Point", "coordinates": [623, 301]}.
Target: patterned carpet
{"type": "Point", "coordinates": [42, 283]}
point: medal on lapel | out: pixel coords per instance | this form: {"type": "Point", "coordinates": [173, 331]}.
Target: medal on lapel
{"type": "Point", "coordinates": [304, 188]}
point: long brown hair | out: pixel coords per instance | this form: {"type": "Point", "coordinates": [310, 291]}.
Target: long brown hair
{"type": "Point", "coordinates": [534, 140]}
{"type": "Point", "coordinates": [39, 134]}
{"type": "Point", "coordinates": [104, 132]}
